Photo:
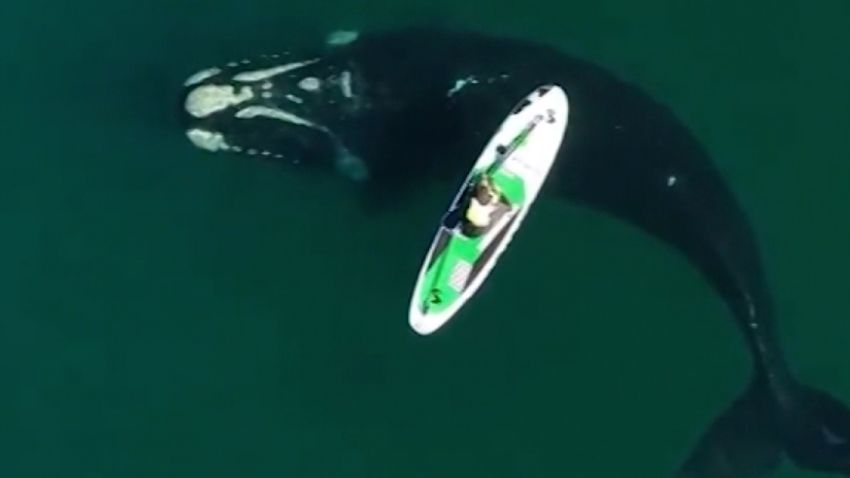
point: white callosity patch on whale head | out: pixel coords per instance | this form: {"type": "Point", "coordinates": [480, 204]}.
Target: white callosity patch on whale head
{"type": "Point", "coordinates": [266, 73]}
{"type": "Point", "coordinates": [310, 83]}
{"type": "Point", "coordinates": [208, 99]}
{"type": "Point", "coordinates": [201, 76]}
{"type": "Point", "coordinates": [342, 37]}
{"type": "Point", "coordinates": [208, 140]}
{"type": "Point", "coordinates": [274, 113]}
{"type": "Point", "coordinates": [345, 84]}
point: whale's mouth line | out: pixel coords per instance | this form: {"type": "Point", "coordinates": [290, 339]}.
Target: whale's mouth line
{"type": "Point", "coordinates": [347, 163]}
{"type": "Point", "coordinates": [214, 142]}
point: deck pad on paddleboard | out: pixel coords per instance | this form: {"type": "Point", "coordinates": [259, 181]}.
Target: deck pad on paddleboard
{"type": "Point", "coordinates": [516, 160]}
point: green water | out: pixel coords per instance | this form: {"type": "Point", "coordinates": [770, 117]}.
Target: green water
{"type": "Point", "coordinates": [169, 313]}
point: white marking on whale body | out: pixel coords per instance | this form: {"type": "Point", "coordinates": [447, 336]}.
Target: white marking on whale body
{"type": "Point", "coordinates": [201, 76]}
{"type": "Point", "coordinates": [208, 140]}
{"type": "Point", "coordinates": [832, 438]}
{"type": "Point", "coordinates": [264, 74]}
{"type": "Point", "coordinates": [671, 180]}
{"type": "Point", "coordinates": [310, 83]}
{"type": "Point", "coordinates": [352, 166]}
{"type": "Point", "coordinates": [294, 99]}
{"type": "Point", "coordinates": [342, 37]}
{"type": "Point", "coordinates": [461, 84]}
{"type": "Point", "coordinates": [208, 99]}
{"type": "Point", "coordinates": [345, 84]}
{"type": "Point", "coordinates": [349, 164]}
{"type": "Point", "coordinates": [274, 113]}
{"type": "Point", "coordinates": [266, 94]}
{"type": "Point", "coordinates": [267, 85]}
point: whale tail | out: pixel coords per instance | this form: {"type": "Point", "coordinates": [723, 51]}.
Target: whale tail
{"type": "Point", "coordinates": [750, 438]}
{"type": "Point", "coordinates": [815, 430]}
{"type": "Point", "coordinates": [743, 442]}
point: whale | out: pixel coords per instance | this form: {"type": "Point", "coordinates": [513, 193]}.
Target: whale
{"type": "Point", "coordinates": [393, 108]}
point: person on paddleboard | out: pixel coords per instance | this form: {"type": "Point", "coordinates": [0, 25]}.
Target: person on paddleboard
{"type": "Point", "coordinates": [483, 202]}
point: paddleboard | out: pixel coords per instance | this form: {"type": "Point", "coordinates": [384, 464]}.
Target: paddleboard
{"type": "Point", "coordinates": [466, 247]}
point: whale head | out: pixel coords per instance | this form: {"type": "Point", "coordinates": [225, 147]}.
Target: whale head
{"type": "Point", "coordinates": [283, 106]}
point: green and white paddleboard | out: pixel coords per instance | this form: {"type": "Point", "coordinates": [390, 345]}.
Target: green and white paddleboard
{"type": "Point", "coordinates": [517, 160]}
